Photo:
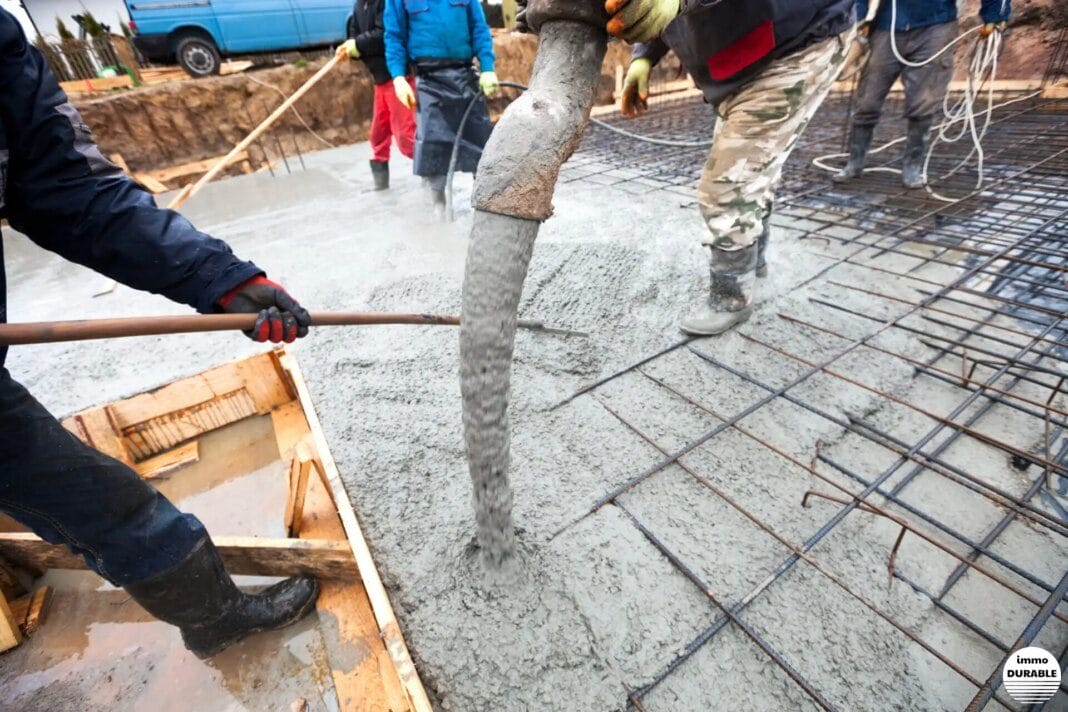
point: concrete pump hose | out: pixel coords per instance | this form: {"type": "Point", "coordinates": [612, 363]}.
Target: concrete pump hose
{"type": "Point", "coordinates": [512, 196]}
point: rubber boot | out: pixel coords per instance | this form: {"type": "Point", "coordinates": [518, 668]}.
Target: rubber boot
{"type": "Point", "coordinates": [915, 153]}
{"type": "Point", "coordinates": [380, 172]}
{"type": "Point", "coordinates": [762, 249]}
{"type": "Point", "coordinates": [859, 143]}
{"type": "Point", "coordinates": [200, 598]}
{"type": "Point", "coordinates": [729, 295]}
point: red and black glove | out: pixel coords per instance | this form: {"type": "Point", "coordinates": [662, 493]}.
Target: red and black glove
{"type": "Point", "coordinates": [281, 318]}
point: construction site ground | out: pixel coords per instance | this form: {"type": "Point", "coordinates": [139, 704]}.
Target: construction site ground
{"type": "Point", "coordinates": [654, 501]}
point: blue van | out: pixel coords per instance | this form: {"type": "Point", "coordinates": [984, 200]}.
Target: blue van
{"type": "Point", "coordinates": [198, 33]}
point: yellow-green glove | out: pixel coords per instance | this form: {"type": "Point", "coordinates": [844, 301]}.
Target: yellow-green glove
{"type": "Point", "coordinates": [640, 20]}
{"type": "Point", "coordinates": [404, 92]}
{"type": "Point", "coordinates": [489, 83]}
{"type": "Point", "coordinates": [350, 49]}
{"type": "Point", "coordinates": [636, 88]}
{"type": "Point", "coordinates": [988, 29]}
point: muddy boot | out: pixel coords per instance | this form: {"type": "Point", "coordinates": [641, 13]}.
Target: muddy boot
{"type": "Point", "coordinates": [380, 172]}
{"type": "Point", "coordinates": [729, 296]}
{"type": "Point", "coordinates": [915, 153]}
{"type": "Point", "coordinates": [859, 143]}
{"type": "Point", "coordinates": [200, 598]}
{"type": "Point", "coordinates": [762, 249]}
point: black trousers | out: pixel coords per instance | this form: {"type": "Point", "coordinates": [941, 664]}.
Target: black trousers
{"type": "Point", "coordinates": [68, 493]}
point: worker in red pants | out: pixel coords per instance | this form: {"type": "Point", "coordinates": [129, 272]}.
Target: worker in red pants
{"type": "Point", "coordinates": [392, 118]}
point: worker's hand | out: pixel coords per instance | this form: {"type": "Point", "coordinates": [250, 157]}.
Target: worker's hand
{"type": "Point", "coordinates": [404, 92]}
{"type": "Point", "coordinates": [636, 88]}
{"type": "Point", "coordinates": [349, 49]}
{"type": "Point", "coordinates": [989, 28]}
{"type": "Point", "coordinates": [640, 20]}
{"type": "Point", "coordinates": [491, 86]}
{"type": "Point", "coordinates": [281, 318]}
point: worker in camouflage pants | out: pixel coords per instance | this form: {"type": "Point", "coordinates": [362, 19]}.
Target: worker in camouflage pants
{"type": "Point", "coordinates": [767, 67]}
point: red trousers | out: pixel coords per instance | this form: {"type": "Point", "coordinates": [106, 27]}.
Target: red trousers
{"type": "Point", "coordinates": [392, 119]}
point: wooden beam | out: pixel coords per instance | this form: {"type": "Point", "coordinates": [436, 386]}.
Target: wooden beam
{"type": "Point", "coordinates": [170, 461]}
{"type": "Point", "coordinates": [10, 635]}
{"type": "Point", "coordinates": [386, 619]}
{"type": "Point", "coordinates": [253, 556]}
{"type": "Point", "coordinates": [30, 611]}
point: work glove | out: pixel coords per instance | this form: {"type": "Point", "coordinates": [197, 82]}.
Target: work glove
{"type": "Point", "coordinates": [636, 88]}
{"type": "Point", "coordinates": [280, 319]}
{"type": "Point", "coordinates": [404, 92]}
{"type": "Point", "coordinates": [988, 29]}
{"type": "Point", "coordinates": [491, 86]}
{"type": "Point", "coordinates": [640, 20]}
{"type": "Point", "coordinates": [350, 49]}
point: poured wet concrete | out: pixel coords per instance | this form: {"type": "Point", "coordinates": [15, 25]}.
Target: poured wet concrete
{"type": "Point", "coordinates": [596, 608]}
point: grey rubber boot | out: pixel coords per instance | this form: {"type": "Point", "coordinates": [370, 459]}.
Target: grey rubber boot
{"type": "Point", "coordinates": [380, 172]}
{"type": "Point", "coordinates": [859, 143]}
{"type": "Point", "coordinates": [915, 153]}
{"type": "Point", "coordinates": [762, 248]}
{"type": "Point", "coordinates": [200, 598]}
{"type": "Point", "coordinates": [729, 295]}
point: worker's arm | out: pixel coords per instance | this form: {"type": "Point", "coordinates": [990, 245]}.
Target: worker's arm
{"type": "Point", "coordinates": [395, 23]}
{"type": "Point", "coordinates": [653, 51]}
{"type": "Point", "coordinates": [371, 41]}
{"type": "Point", "coordinates": [481, 39]}
{"type": "Point", "coordinates": [64, 195]}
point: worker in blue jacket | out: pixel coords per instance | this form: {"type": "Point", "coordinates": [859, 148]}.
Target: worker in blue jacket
{"type": "Point", "coordinates": [440, 39]}
{"type": "Point", "coordinates": [58, 190]}
{"type": "Point", "coordinates": [920, 30]}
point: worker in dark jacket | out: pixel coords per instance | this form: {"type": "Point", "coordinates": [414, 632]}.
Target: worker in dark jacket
{"type": "Point", "coordinates": [391, 119]}
{"type": "Point", "coordinates": [914, 48]}
{"type": "Point", "coordinates": [440, 39]}
{"type": "Point", "coordinates": [767, 67]}
{"type": "Point", "coordinates": [57, 189]}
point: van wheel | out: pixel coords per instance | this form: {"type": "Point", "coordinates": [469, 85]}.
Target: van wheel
{"type": "Point", "coordinates": [198, 56]}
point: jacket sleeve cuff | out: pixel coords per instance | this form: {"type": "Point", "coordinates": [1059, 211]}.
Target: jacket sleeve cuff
{"type": "Point", "coordinates": [238, 273]}
{"type": "Point", "coordinates": [653, 51]}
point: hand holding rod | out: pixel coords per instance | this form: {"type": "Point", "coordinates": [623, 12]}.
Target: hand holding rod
{"type": "Point", "coordinates": [47, 332]}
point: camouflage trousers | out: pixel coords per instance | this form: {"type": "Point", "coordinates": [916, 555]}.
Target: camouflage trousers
{"type": "Point", "coordinates": [758, 127]}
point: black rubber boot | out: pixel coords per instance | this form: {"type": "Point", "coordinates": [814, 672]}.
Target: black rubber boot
{"type": "Point", "coordinates": [762, 248]}
{"type": "Point", "coordinates": [859, 143]}
{"type": "Point", "coordinates": [729, 295]}
{"type": "Point", "coordinates": [380, 172]}
{"type": "Point", "coordinates": [201, 599]}
{"type": "Point", "coordinates": [915, 153]}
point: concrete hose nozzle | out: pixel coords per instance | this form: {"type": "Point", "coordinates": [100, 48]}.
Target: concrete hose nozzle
{"type": "Point", "coordinates": [513, 195]}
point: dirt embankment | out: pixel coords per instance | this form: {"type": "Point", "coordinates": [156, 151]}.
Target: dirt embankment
{"type": "Point", "coordinates": [187, 121]}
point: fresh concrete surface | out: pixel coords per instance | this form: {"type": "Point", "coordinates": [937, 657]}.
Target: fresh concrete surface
{"type": "Point", "coordinates": [595, 607]}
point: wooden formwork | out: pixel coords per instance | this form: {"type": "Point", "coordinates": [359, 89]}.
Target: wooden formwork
{"type": "Point", "coordinates": [157, 433]}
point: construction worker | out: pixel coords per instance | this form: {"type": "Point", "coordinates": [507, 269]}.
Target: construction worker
{"type": "Point", "coordinates": [440, 39]}
{"type": "Point", "coordinates": [767, 67]}
{"type": "Point", "coordinates": [922, 34]}
{"type": "Point", "coordinates": [391, 118]}
{"type": "Point", "coordinates": [57, 189]}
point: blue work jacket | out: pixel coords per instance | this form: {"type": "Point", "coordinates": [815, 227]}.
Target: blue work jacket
{"type": "Point", "coordinates": [436, 29]}
{"type": "Point", "coordinates": [57, 189]}
{"type": "Point", "coordinates": [914, 14]}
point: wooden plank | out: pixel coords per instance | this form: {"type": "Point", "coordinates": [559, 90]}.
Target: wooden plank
{"type": "Point", "coordinates": [385, 618]}
{"type": "Point", "coordinates": [184, 170]}
{"type": "Point", "coordinates": [235, 66]}
{"type": "Point", "coordinates": [170, 461]}
{"type": "Point", "coordinates": [96, 84]}
{"type": "Point", "coordinates": [180, 395]}
{"type": "Point", "coordinates": [254, 556]}
{"type": "Point", "coordinates": [363, 673]}
{"type": "Point", "coordinates": [153, 185]}
{"type": "Point", "coordinates": [101, 433]}
{"type": "Point", "coordinates": [119, 161]}
{"type": "Point", "coordinates": [30, 610]}
{"type": "Point", "coordinates": [10, 635]}
{"type": "Point", "coordinates": [299, 492]}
